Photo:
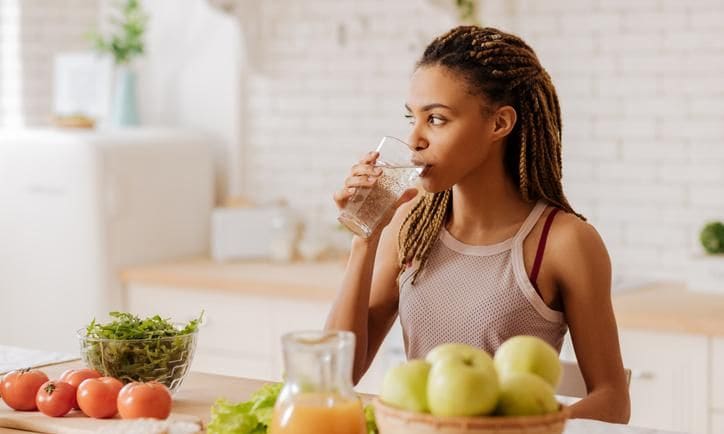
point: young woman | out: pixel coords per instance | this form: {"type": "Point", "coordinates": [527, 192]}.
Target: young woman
{"type": "Point", "coordinates": [492, 248]}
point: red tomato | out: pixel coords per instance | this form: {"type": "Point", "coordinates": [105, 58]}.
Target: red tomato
{"type": "Point", "coordinates": [55, 398]}
{"type": "Point", "coordinates": [76, 376]}
{"type": "Point", "coordinates": [150, 399]}
{"type": "Point", "coordinates": [97, 396]}
{"type": "Point", "coordinates": [20, 387]}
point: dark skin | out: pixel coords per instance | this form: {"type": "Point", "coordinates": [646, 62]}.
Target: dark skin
{"type": "Point", "coordinates": [462, 137]}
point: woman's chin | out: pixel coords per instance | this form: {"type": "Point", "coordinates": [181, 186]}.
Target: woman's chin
{"type": "Point", "coordinates": [430, 186]}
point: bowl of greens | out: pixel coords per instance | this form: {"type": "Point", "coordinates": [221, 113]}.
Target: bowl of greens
{"type": "Point", "coordinates": [133, 349]}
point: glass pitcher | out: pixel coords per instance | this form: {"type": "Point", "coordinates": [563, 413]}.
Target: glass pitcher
{"type": "Point", "coordinates": [317, 396]}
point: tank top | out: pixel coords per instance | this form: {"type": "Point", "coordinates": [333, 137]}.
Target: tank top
{"type": "Point", "coordinates": [478, 295]}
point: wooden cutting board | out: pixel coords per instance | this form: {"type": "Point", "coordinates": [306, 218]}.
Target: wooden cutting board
{"type": "Point", "coordinates": [77, 423]}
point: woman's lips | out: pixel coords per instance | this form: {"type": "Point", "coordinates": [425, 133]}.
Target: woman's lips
{"type": "Point", "coordinates": [425, 170]}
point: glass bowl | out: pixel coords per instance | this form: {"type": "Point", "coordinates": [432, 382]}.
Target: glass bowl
{"type": "Point", "coordinates": [164, 359]}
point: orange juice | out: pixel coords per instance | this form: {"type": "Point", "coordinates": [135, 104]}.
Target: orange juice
{"type": "Point", "coordinates": [319, 413]}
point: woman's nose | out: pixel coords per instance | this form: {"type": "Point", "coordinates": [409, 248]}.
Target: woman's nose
{"type": "Point", "coordinates": [416, 141]}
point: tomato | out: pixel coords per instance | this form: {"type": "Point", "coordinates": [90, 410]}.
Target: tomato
{"type": "Point", "coordinates": [151, 399]}
{"type": "Point", "coordinates": [55, 398]}
{"type": "Point", "coordinates": [20, 387]}
{"type": "Point", "coordinates": [76, 376]}
{"type": "Point", "coordinates": [97, 396]}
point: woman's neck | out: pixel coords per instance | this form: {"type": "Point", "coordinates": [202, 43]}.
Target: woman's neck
{"type": "Point", "coordinates": [486, 207]}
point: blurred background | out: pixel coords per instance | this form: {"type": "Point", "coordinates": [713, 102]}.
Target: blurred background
{"type": "Point", "coordinates": [206, 160]}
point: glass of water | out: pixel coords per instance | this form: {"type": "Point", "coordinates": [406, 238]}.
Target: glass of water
{"type": "Point", "coordinates": [401, 167]}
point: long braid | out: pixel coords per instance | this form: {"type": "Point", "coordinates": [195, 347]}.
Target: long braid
{"type": "Point", "coordinates": [505, 70]}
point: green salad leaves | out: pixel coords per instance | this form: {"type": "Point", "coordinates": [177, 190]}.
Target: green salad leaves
{"type": "Point", "coordinates": [254, 416]}
{"type": "Point", "coordinates": [133, 349]}
{"type": "Point", "coordinates": [248, 417]}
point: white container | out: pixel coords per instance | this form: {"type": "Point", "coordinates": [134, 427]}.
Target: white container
{"type": "Point", "coordinates": [248, 233]}
{"type": "Point", "coordinates": [705, 273]}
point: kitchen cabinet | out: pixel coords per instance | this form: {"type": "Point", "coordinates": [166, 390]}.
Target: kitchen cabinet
{"type": "Point", "coordinates": [717, 378]}
{"type": "Point", "coordinates": [669, 373]}
{"type": "Point", "coordinates": [717, 423]}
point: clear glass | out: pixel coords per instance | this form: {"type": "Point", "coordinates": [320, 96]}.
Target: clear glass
{"type": "Point", "coordinates": [317, 396]}
{"type": "Point", "coordinates": [401, 168]}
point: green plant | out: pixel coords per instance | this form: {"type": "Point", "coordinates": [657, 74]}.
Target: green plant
{"type": "Point", "coordinates": [126, 41]}
{"type": "Point", "coordinates": [712, 237]}
{"type": "Point", "coordinates": [467, 11]}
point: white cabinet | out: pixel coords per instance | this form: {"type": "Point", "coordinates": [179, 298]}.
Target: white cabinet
{"type": "Point", "coordinates": [669, 381]}
{"type": "Point", "coordinates": [717, 376]}
{"type": "Point", "coordinates": [717, 423]}
{"type": "Point", "coordinates": [241, 334]}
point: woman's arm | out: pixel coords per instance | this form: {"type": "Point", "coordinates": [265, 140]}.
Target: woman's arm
{"type": "Point", "coordinates": [366, 303]}
{"type": "Point", "coordinates": [582, 271]}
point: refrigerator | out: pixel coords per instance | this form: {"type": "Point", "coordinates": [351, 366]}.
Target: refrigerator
{"type": "Point", "coordinates": [76, 207]}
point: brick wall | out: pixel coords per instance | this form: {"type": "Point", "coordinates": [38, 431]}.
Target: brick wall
{"type": "Point", "coordinates": [640, 84]}
{"type": "Point", "coordinates": [639, 81]}
{"type": "Point", "coordinates": [39, 29]}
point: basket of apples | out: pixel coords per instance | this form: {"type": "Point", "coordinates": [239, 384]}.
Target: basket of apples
{"type": "Point", "coordinates": [460, 389]}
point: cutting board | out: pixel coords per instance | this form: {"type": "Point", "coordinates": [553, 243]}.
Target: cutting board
{"type": "Point", "coordinates": [77, 423]}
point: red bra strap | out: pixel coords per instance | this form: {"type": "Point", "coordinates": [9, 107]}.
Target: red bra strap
{"type": "Point", "coordinates": [541, 247]}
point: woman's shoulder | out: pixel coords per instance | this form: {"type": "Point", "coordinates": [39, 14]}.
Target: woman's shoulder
{"type": "Point", "coordinates": [573, 242]}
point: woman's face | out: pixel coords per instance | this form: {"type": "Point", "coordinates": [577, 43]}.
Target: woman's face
{"type": "Point", "coordinates": [450, 127]}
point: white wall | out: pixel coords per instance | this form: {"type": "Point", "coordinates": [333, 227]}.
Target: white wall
{"type": "Point", "coordinates": [191, 77]}
{"type": "Point", "coordinates": [640, 83]}
{"type": "Point", "coordinates": [31, 32]}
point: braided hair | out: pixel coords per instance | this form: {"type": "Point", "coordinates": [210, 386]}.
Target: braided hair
{"type": "Point", "coordinates": [505, 70]}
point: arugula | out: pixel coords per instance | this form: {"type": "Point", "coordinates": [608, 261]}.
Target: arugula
{"type": "Point", "coordinates": [133, 349]}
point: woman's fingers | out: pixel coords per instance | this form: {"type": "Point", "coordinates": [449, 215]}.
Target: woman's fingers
{"type": "Point", "coordinates": [360, 181]}
{"type": "Point", "coordinates": [369, 158]}
{"type": "Point", "coordinates": [365, 169]}
{"type": "Point", "coordinates": [342, 196]}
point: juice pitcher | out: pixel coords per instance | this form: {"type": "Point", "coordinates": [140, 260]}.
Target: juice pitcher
{"type": "Point", "coordinates": [317, 396]}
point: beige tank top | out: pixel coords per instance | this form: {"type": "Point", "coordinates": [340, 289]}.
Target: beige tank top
{"type": "Point", "coordinates": [478, 295]}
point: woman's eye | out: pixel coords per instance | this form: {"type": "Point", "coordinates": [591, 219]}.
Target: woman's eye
{"type": "Point", "coordinates": [436, 120]}
{"type": "Point", "coordinates": [410, 119]}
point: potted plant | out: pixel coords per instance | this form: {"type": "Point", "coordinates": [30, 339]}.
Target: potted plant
{"type": "Point", "coordinates": [124, 44]}
{"type": "Point", "coordinates": [706, 271]}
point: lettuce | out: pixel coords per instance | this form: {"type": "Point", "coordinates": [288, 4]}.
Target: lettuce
{"type": "Point", "coordinates": [248, 417]}
{"type": "Point", "coordinates": [254, 416]}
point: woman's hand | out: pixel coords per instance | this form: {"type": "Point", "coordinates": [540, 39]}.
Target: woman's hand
{"type": "Point", "coordinates": [364, 174]}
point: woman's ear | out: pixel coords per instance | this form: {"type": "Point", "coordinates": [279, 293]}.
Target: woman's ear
{"type": "Point", "coordinates": [504, 120]}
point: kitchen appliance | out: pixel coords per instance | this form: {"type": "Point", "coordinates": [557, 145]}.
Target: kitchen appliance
{"type": "Point", "coordinates": [78, 206]}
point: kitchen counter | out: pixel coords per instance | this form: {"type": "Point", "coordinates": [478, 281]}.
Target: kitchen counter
{"type": "Point", "coordinates": [316, 281]}
{"type": "Point", "coordinates": [669, 307]}
{"type": "Point", "coordinates": [665, 307]}
{"type": "Point", "coordinates": [199, 392]}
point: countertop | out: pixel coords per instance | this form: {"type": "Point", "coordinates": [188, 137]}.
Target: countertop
{"type": "Point", "coordinates": [199, 392]}
{"type": "Point", "coordinates": [665, 307]}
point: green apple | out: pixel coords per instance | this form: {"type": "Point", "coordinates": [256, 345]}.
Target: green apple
{"type": "Point", "coordinates": [405, 386]}
{"type": "Point", "coordinates": [525, 394]}
{"type": "Point", "coordinates": [529, 354]}
{"type": "Point", "coordinates": [462, 381]}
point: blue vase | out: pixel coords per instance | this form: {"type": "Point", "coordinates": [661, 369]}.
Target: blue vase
{"type": "Point", "coordinates": [125, 106]}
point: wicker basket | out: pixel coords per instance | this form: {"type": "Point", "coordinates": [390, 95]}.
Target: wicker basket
{"type": "Point", "coordinates": [391, 420]}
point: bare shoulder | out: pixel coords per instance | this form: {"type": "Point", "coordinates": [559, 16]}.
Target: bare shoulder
{"type": "Point", "coordinates": [577, 251]}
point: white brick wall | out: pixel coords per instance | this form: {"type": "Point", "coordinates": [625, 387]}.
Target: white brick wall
{"type": "Point", "coordinates": [639, 81]}
{"type": "Point", "coordinates": [43, 28]}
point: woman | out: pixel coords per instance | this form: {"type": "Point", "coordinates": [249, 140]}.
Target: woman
{"type": "Point", "coordinates": [464, 261]}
